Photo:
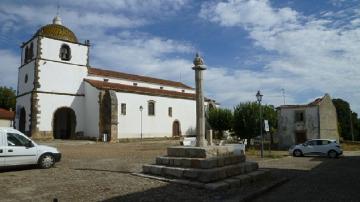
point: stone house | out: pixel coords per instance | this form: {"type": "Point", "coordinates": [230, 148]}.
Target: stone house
{"type": "Point", "coordinates": [6, 118]}
{"type": "Point", "coordinates": [298, 123]}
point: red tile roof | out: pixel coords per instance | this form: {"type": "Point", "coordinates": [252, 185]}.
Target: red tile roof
{"type": "Point", "coordinates": [133, 77]}
{"type": "Point", "coordinates": [140, 90]}
{"type": "Point", "coordinates": [5, 114]}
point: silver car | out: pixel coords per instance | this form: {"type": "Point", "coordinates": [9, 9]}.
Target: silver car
{"type": "Point", "coordinates": [322, 147]}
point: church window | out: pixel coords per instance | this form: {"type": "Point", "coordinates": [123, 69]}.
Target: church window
{"type": "Point", "coordinates": [183, 91]}
{"type": "Point", "coordinates": [123, 109]}
{"type": "Point", "coordinates": [161, 87]}
{"type": "Point", "coordinates": [26, 54]}
{"type": "Point", "coordinates": [170, 111]}
{"type": "Point", "coordinates": [31, 51]}
{"type": "Point", "coordinates": [26, 78]}
{"type": "Point", "coordinates": [151, 108]}
{"type": "Point", "coordinates": [134, 84]}
{"type": "Point", "coordinates": [65, 52]}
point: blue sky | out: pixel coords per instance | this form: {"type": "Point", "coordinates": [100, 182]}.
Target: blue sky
{"type": "Point", "coordinates": [306, 47]}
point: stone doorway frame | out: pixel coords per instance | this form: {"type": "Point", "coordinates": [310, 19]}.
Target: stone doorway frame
{"type": "Point", "coordinates": [108, 115]}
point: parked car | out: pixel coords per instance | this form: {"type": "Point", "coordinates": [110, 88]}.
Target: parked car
{"type": "Point", "coordinates": [323, 147]}
{"type": "Point", "coordinates": [17, 149]}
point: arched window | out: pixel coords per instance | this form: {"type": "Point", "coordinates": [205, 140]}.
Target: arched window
{"type": "Point", "coordinates": [31, 51]}
{"type": "Point", "coordinates": [151, 108]}
{"type": "Point", "coordinates": [26, 54]}
{"type": "Point", "coordinates": [65, 52]}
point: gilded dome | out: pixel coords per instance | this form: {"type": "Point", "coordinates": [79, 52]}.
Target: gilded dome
{"type": "Point", "coordinates": [57, 31]}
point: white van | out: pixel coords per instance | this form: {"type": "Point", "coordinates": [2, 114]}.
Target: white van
{"type": "Point", "coordinates": [17, 149]}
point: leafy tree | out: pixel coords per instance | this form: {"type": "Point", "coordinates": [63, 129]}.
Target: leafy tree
{"type": "Point", "coordinates": [246, 122]}
{"type": "Point", "coordinates": [219, 120]}
{"type": "Point", "coordinates": [7, 98]}
{"type": "Point", "coordinates": [343, 112]}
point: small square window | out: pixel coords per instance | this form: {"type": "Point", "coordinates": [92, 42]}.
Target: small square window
{"type": "Point", "coordinates": [170, 111]}
{"type": "Point", "coordinates": [134, 84]}
{"type": "Point", "coordinates": [161, 87]}
{"type": "Point", "coordinates": [123, 109]}
{"type": "Point", "coordinates": [183, 91]}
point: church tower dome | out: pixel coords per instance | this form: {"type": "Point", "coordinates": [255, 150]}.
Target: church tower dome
{"type": "Point", "coordinates": [57, 31]}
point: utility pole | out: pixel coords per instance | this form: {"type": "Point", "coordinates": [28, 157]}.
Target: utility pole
{"type": "Point", "coordinates": [351, 126]}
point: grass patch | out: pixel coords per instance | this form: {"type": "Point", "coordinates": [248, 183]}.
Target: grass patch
{"type": "Point", "coordinates": [350, 146]}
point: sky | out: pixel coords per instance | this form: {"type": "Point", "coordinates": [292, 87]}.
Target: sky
{"type": "Point", "coordinates": [295, 49]}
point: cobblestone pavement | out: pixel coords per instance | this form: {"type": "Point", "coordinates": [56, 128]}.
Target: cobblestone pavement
{"type": "Point", "coordinates": [316, 179]}
{"type": "Point", "coordinates": [102, 172]}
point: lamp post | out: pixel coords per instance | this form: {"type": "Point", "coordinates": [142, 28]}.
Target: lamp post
{"type": "Point", "coordinates": [259, 97]}
{"type": "Point", "coordinates": [141, 109]}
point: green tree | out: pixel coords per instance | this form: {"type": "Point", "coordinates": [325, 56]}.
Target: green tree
{"type": "Point", "coordinates": [7, 98]}
{"type": "Point", "coordinates": [219, 120]}
{"type": "Point", "coordinates": [343, 112]}
{"type": "Point", "coordinates": [246, 122]}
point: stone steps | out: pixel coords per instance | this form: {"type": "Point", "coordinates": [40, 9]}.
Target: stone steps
{"type": "Point", "coordinates": [201, 163]}
{"type": "Point", "coordinates": [199, 174]}
{"type": "Point", "coordinates": [233, 182]}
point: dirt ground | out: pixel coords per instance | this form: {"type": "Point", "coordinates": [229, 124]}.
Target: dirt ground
{"type": "Point", "coordinates": [92, 171]}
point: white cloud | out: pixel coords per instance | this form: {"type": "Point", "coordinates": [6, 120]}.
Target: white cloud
{"type": "Point", "coordinates": [8, 68]}
{"type": "Point", "coordinates": [313, 54]}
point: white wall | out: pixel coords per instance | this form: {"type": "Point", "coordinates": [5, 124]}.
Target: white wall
{"type": "Point", "coordinates": [28, 70]}
{"type": "Point", "coordinates": [140, 84]}
{"type": "Point", "coordinates": [5, 123]}
{"type": "Point", "coordinates": [60, 77]}
{"type": "Point", "coordinates": [91, 111]}
{"type": "Point", "coordinates": [50, 49]}
{"type": "Point", "coordinates": [159, 125]}
{"type": "Point", "coordinates": [49, 103]}
{"type": "Point", "coordinates": [23, 101]}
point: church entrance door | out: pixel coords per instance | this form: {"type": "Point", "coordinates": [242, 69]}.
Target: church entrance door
{"type": "Point", "coordinates": [64, 123]}
{"type": "Point", "coordinates": [22, 120]}
{"type": "Point", "coordinates": [109, 115]}
{"type": "Point", "coordinates": [176, 129]}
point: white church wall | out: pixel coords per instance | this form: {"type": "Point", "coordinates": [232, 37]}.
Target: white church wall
{"type": "Point", "coordinates": [140, 84]}
{"type": "Point", "coordinates": [159, 125]}
{"type": "Point", "coordinates": [91, 111]}
{"type": "Point", "coordinates": [50, 49]}
{"type": "Point", "coordinates": [28, 70]}
{"type": "Point", "coordinates": [61, 78]}
{"type": "Point", "coordinates": [23, 101]}
{"type": "Point", "coordinates": [49, 103]}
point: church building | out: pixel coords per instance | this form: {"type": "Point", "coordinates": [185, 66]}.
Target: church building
{"type": "Point", "coordinates": [60, 96]}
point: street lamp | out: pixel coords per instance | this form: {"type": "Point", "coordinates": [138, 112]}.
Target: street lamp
{"type": "Point", "coordinates": [259, 98]}
{"type": "Point", "coordinates": [141, 109]}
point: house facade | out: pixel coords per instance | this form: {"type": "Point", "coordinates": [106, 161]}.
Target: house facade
{"type": "Point", "coordinates": [61, 96]}
{"type": "Point", "coordinates": [298, 123]}
{"type": "Point", "coordinates": [6, 118]}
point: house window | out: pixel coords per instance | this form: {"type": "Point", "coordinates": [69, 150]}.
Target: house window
{"type": "Point", "coordinates": [65, 52]}
{"type": "Point", "coordinates": [299, 116]}
{"type": "Point", "coordinates": [151, 108]}
{"type": "Point", "coordinates": [134, 84]}
{"type": "Point", "coordinates": [170, 111]}
{"type": "Point", "coordinates": [183, 91]}
{"type": "Point", "coordinates": [161, 87]}
{"type": "Point", "coordinates": [123, 109]}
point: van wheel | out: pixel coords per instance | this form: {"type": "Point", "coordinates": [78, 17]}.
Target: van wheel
{"type": "Point", "coordinates": [332, 154]}
{"type": "Point", "coordinates": [46, 161]}
{"type": "Point", "coordinates": [297, 153]}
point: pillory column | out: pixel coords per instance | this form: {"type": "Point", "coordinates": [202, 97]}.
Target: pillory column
{"type": "Point", "coordinates": [200, 110]}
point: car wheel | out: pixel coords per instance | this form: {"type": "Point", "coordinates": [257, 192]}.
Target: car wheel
{"type": "Point", "coordinates": [46, 161]}
{"type": "Point", "coordinates": [332, 154]}
{"type": "Point", "coordinates": [297, 153]}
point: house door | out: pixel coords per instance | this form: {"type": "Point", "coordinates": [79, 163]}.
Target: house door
{"type": "Point", "coordinates": [300, 137]}
{"type": "Point", "coordinates": [176, 129]}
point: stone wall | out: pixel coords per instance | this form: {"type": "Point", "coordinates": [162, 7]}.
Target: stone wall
{"type": "Point", "coordinates": [328, 119]}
